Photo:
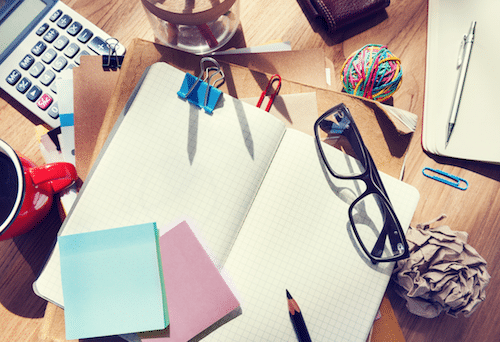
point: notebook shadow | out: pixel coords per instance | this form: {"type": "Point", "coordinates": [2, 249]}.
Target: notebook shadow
{"type": "Point", "coordinates": [281, 107]}
{"type": "Point", "coordinates": [491, 171]}
{"type": "Point", "coordinates": [245, 127]}
{"type": "Point", "coordinates": [194, 113]}
{"type": "Point", "coordinates": [21, 261]}
{"type": "Point", "coordinates": [226, 319]}
{"type": "Point", "coordinates": [192, 133]}
{"type": "Point", "coordinates": [165, 333]}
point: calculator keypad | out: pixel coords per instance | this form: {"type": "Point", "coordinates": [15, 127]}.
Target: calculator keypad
{"type": "Point", "coordinates": [61, 39]}
{"type": "Point", "coordinates": [39, 48]}
{"type": "Point", "coordinates": [23, 86]}
{"type": "Point", "coordinates": [13, 77]}
{"type": "Point", "coordinates": [27, 62]}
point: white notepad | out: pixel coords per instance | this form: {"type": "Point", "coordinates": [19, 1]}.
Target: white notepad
{"type": "Point", "coordinates": [257, 194]}
{"type": "Point", "coordinates": [475, 135]}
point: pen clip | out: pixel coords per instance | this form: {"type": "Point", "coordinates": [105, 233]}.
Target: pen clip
{"type": "Point", "coordinates": [454, 181]}
{"type": "Point", "coordinates": [461, 51]}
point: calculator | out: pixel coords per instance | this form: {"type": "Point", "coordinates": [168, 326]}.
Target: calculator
{"type": "Point", "coordinates": [38, 40]}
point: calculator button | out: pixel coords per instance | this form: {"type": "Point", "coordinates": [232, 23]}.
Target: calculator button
{"type": "Point", "coordinates": [13, 77]}
{"type": "Point", "coordinates": [47, 77]}
{"type": "Point", "coordinates": [34, 93]}
{"type": "Point", "coordinates": [74, 29]}
{"type": "Point", "coordinates": [85, 36]}
{"type": "Point", "coordinates": [55, 15]}
{"type": "Point", "coordinates": [99, 46]}
{"type": "Point", "coordinates": [61, 42]}
{"type": "Point", "coordinates": [44, 101]}
{"type": "Point", "coordinates": [39, 48]}
{"type": "Point", "coordinates": [51, 35]}
{"type": "Point", "coordinates": [49, 56]}
{"type": "Point", "coordinates": [41, 30]}
{"type": "Point", "coordinates": [83, 53]}
{"type": "Point", "coordinates": [37, 69]}
{"type": "Point", "coordinates": [23, 85]}
{"type": "Point", "coordinates": [53, 87]}
{"type": "Point", "coordinates": [59, 63]}
{"type": "Point", "coordinates": [54, 110]}
{"type": "Point", "coordinates": [27, 62]}
{"type": "Point", "coordinates": [64, 21]}
{"type": "Point", "coordinates": [72, 50]}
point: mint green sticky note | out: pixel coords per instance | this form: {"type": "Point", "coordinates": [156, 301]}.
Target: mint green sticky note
{"type": "Point", "coordinates": [112, 282]}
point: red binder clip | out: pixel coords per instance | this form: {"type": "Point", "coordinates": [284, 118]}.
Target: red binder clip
{"type": "Point", "coordinates": [274, 78]}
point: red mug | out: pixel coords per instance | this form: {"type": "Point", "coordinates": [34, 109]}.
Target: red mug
{"type": "Point", "coordinates": [26, 190]}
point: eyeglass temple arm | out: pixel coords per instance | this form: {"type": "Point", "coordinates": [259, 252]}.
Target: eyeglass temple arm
{"type": "Point", "coordinates": [378, 248]}
{"type": "Point", "coordinates": [360, 149]}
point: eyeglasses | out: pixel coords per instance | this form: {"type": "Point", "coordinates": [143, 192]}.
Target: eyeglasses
{"type": "Point", "coordinates": [372, 217]}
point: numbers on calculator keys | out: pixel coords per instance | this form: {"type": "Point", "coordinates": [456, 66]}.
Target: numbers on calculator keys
{"type": "Point", "coordinates": [47, 78]}
{"type": "Point", "coordinates": [57, 44]}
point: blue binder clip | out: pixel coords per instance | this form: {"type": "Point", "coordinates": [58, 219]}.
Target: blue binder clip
{"type": "Point", "coordinates": [202, 94]}
{"type": "Point", "coordinates": [446, 178]}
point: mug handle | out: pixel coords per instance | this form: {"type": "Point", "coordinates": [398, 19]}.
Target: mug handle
{"type": "Point", "coordinates": [59, 175]}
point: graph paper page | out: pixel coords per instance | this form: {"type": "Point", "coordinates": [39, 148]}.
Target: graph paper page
{"type": "Point", "coordinates": [170, 161]}
{"type": "Point", "coordinates": [297, 237]}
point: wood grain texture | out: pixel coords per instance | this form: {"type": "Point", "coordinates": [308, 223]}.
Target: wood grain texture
{"type": "Point", "coordinates": [403, 28]}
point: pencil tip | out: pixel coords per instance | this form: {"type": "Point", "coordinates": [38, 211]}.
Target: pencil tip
{"type": "Point", "coordinates": [288, 295]}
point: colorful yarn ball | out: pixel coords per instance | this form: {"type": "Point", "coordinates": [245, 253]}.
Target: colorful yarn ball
{"type": "Point", "coordinates": [372, 72]}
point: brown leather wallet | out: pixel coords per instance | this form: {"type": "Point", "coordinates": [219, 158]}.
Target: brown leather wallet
{"type": "Point", "coordinates": [336, 14]}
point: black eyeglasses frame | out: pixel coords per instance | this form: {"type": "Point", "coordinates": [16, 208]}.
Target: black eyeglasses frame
{"type": "Point", "coordinates": [374, 185]}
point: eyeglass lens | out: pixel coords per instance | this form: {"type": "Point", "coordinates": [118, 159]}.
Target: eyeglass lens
{"type": "Point", "coordinates": [371, 218]}
{"type": "Point", "coordinates": [337, 128]}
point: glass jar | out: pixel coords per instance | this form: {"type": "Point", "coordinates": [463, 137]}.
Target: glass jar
{"type": "Point", "coordinates": [199, 27]}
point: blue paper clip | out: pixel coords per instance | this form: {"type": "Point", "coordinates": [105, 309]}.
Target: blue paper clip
{"type": "Point", "coordinates": [202, 94]}
{"type": "Point", "coordinates": [447, 178]}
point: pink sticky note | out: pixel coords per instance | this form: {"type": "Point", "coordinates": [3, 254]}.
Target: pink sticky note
{"type": "Point", "coordinates": [197, 295]}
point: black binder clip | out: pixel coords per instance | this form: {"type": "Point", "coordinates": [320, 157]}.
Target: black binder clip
{"type": "Point", "coordinates": [112, 60]}
{"type": "Point", "coordinates": [203, 94]}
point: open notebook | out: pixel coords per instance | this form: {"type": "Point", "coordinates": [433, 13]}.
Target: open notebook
{"type": "Point", "coordinates": [257, 194]}
{"type": "Point", "coordinates": [475, 136]}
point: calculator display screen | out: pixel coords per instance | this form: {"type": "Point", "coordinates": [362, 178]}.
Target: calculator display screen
{"type": "Point", "coordinates": [18, 20]}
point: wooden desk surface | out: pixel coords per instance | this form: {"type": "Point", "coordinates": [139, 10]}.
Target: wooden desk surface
{"type": "Point", "coordinates": [403, 28]}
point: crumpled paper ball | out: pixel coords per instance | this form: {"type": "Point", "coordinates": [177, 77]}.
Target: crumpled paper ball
{"type": "Point", "coordinates": [443, 272]}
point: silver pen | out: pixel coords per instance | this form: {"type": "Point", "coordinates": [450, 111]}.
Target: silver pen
{"type": "Point", "coordinates": [463, 63]}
